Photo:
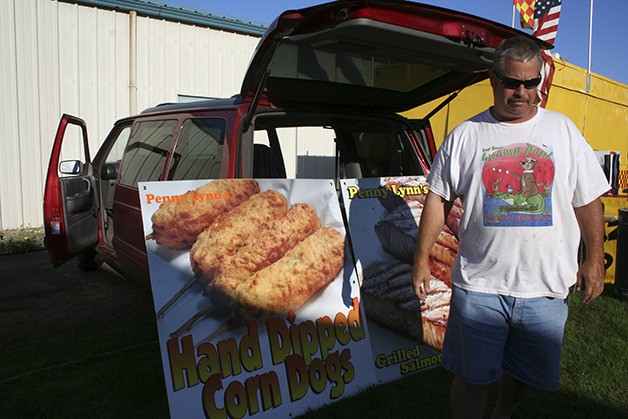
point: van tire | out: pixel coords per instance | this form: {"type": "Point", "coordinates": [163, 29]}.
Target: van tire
{"type": "Point", "coordinates": [89, 260]}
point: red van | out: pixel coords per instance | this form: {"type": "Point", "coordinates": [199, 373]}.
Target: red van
{"type": "Point", "coordinates": [321, 99]}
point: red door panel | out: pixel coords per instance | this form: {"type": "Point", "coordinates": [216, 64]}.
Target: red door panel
{"type": "Point", "coordinates": [70, 204]}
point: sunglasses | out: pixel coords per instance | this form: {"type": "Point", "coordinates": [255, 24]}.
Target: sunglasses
{"type": "Point", "coordinates": [514, 84]}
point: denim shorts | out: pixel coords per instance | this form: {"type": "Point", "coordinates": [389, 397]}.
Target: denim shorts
{"type": "Point", "coordinates": [488, 333]}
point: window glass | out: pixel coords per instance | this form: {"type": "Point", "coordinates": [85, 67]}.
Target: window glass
{"type": "Point", "coordinates": [72, 151]}
{"type": "Point", "coordinates": [370, 67]}
{"type": "Point", "coordinates": [199, 150]}
{"type": "Point", "coordinates": [117, 150]}
{"type": "Point", "coordinates": [145, 155]}
{"type": "Point", "coordinates": [310, 152]}
{"type": "Point", "coordinates": [382, 154]}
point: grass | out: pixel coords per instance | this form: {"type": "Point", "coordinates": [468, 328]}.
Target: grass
{"type": "Point", "coordinates": [20, 240]}
{"type": "Point", "coordinates": [594, 375]}
{"type": "Point", "coordinates": [86, 346]}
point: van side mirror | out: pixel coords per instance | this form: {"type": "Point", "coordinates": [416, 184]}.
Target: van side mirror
{"type": "Point", "coordinates": [71, 167]}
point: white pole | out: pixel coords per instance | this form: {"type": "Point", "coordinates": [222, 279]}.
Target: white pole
{"type": "Point", "coordinates": [590, 42]}
{"type": "Point", "coordinates": [512, 25]}
{"type": "Point", "coordinates": [133, 62]}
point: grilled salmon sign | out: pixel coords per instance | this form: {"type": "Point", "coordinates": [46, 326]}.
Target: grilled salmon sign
{"type": "Point", "coordinates": [406, 335]}
{"type": "Point", "coordinates": [262, 306]}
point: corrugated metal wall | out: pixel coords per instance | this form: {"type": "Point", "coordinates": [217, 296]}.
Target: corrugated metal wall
{"type": "Point", "coordinates": [66, 58]}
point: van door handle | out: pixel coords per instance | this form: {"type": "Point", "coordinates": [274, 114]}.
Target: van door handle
{"type": "Point", "coordinates": [89, 185]}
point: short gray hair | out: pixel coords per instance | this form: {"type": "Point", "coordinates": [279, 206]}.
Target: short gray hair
{"type": "Point", "coordinates": [518, 48]}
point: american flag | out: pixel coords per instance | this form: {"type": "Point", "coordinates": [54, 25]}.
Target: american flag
{"type": "Point", "coordinates": [546, 14]}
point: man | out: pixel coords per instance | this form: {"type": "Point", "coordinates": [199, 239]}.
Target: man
{"type": "Point", "coordinates": [529, 184]}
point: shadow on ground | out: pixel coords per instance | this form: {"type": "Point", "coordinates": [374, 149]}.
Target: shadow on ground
{"type": "Point", "coordinates": [76, 344]}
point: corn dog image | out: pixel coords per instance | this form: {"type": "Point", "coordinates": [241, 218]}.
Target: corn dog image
{"type": "Point", "coordinates": [292, 280]}
{"type": "Point", "coordinates": [177, 224]}
{"type": "Point", "coordinates": [222, 239]}
{"type": "Point", "coordinates": [277, 288]}
{"type": "Point", "coordinates": [225, 236]}
{"type": "Point", "coordinates": [270, 243]}
{"type": "Point", "coordinates": [267, 246]}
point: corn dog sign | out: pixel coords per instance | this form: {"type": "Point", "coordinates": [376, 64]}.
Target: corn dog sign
{"type": "Point", "coordinates": [315, 355]}
{"type": "Point", "coordinates": [257, 304]}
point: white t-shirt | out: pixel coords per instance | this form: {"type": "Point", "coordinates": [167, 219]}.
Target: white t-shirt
{"type": "Point", "coordinates": [518, 184]}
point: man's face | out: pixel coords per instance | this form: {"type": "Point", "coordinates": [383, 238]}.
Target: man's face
{"type": "Point", "coordinates": [514, 104]}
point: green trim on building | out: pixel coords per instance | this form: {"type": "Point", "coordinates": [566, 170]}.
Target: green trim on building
{"type": "Point", "coordinates": [178, 14]}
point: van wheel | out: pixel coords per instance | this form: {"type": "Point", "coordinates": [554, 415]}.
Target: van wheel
{"type": "Point", "coordinates": [89, 260]}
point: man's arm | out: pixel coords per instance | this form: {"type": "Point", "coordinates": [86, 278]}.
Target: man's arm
{"type": "Point", "coordinates": [591, 274]}
{"type": "Point", "coordinates": [433, 218]}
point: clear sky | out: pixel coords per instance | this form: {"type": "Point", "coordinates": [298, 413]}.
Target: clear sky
{"type": "Point", "coordinates": [609, 51]}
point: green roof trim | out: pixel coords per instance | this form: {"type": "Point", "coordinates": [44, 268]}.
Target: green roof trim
{"type": "Point", "coordinates": [178, 14]}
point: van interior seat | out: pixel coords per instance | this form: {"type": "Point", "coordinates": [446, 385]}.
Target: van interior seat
{"type": "Point", "coordinates": [263, 162]}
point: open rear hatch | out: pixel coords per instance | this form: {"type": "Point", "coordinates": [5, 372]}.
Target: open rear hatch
{"type": "Point", "coordinates": [379, 55]}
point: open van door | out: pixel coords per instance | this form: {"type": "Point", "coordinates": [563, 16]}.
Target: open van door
{"type": "Point", "coordinates": [70, 198]}
{"type": "Point", "coordinates": [377, 58]}
{"type": "Point", "coordinates": [383, 56]}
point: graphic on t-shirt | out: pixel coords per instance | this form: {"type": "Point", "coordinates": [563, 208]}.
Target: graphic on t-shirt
{"type": "Point", "coordinates": [518, 183]}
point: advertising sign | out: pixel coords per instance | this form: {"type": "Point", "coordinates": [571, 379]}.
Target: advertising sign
{"type": "Point", "coordinates": [258, 307]}
{"type": "Point", "coordinates": [383, 216]}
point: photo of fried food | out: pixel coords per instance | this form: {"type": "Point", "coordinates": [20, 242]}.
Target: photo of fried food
{"type": "Point", "coordinates": [177, 224]}
{"type": "Point", "coordinates": [223, 238]}
{"type": "Point", "coordinates": [292, 280]}
{"type": "Point", "coordinates": [283, 265]}
{"type": "Point", "coordinates": [261, 258]}
{"type": "Point", "coordinates": [265, 247]}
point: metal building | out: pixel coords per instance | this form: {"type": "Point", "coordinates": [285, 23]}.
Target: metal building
{"type": "Point", "coordinates": [105, 59]}
{"type": "Point", "coordinates": [100, 60]}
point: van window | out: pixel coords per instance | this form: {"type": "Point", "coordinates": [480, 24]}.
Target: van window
{"type": "Point", "coordinates": [308, 152]}
{"type": "Point", "coordinates": [199, 150]}
{"type": "Point", "coordinates": [354, 149]}
{"type": "Point", "coordinates": [145, 155]}
{"type": "Point", "coordinates": [333, 62]}
{"type": "Point", "coordinates": [383, 154]}
{"type": "Point", "coordinates": [73, 149]}
{"type": "Point", "coordinates": [117, 150]}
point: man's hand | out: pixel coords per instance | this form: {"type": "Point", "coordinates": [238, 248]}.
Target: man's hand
{"type": "Point", "coordinates": [421, 280]}
{"type": "Point", "coordinates": [591, 275]}
{"type": "Point", "coordinates": [433, 216]}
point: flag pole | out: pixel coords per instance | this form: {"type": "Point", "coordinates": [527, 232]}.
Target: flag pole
{"type": "Point", "coordinates": [514, 8]}
{"type": "Point", "coordinates": [590, 43]}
